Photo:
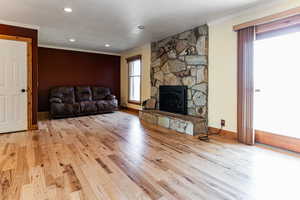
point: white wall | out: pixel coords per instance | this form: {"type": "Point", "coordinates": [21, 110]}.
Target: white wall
{"type": "Point", "coordinates": [222, 103]}
{"type": "Point", "coordinates": [145, 51]}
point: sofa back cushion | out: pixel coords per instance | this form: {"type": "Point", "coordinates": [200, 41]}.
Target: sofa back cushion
{"type": "Point", "coordinates": [83, 93]}
{"type": "Point", "coordinates": [65, 93]}
{"type": "Point", "coordinates": [99, 93]}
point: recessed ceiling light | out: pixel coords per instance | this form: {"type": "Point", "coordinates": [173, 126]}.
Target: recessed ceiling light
{"type": "Point", "coordinates": [141, 27]}
{"type": "Point", "coordinates": [72, 39]}
{"type": "Point", "coordinates": [107, 45]}
{"type": "Point", "coordinates": [68, 9]}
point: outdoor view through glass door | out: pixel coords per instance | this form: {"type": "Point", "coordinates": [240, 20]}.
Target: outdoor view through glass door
{"type": "Point", "coordinates": [277, 83]}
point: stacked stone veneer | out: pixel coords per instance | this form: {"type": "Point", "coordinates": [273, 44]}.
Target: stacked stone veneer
{"type": "Point", "coordinates": [182, 60]}
{"type": "Point", "coordinates": [180, 123]}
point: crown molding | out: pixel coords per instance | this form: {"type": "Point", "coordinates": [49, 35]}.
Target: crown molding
{"type": "Point", "coordinates": [79, 50]}
{"type": "Point", "coordinates": [248, 10]}
{"type": "Point", "coordinates": [30, 26]}
{"type": "Point", "coordinates": [136, 49]}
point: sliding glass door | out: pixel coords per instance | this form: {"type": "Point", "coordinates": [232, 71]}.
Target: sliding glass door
{"type": "Point", "coordinates": [277, 84]}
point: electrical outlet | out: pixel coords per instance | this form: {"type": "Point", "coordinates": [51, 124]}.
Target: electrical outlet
{"type": "Point", "coordinates": [223, 123]}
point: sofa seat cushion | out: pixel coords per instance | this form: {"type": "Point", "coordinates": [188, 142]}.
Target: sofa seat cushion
{"type": "Point", "coordinates": [88, 107]}
{"type": "Point", "coordinates": [107, 105]}
{"type": "Point", "coordinates": [66, 94]}
{"type": "Point", "coordinates": [64, 109]}
{"type": "Point", "coordinates": [100, 93]}
{"type": "Point", "coordinates": [83, 93]}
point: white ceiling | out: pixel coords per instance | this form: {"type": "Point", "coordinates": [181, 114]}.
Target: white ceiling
{"type": "Point", "coordinates": [96, 22]}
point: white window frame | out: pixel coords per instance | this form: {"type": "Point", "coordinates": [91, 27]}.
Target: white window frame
{"type": "Point", "coordinates": [129, 60]}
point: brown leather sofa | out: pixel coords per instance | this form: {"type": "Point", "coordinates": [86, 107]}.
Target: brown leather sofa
{"type": "Point", "coordinates": [69, 101]}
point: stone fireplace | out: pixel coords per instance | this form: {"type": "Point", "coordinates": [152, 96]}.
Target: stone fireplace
{"type": "Point", "coordinates": [180, 60]}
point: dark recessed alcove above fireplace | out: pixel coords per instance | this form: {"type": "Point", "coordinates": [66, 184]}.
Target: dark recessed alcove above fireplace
{"type": "Point", "coordinates": [173, 99]}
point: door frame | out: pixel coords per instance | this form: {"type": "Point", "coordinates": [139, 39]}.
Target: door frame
{"type": "Point", "coordinates": [30, 125]}
{"type": "Point", "coordinates": [277, 140]}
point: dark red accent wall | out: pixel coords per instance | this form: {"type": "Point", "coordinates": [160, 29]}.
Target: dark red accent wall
{"type": "Point", "coordinates": [33, 34]}
{"type": "Point", "coordinates": [64, 67]}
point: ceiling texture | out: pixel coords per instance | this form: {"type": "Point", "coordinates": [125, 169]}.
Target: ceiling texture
{"type": "Point", "coordinates": [94, 23]}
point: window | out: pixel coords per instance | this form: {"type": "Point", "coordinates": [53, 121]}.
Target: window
{"type": "Point", "coordinates": [134, 79]}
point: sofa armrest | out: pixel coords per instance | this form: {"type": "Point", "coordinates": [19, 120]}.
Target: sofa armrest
{"type": "Point", "coordinates": [55, 100]}
{"type": "Point", "coordinates": [110, 97]}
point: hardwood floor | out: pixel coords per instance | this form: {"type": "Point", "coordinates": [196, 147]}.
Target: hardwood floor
{"type": "Point", "coordinates": [114, 156]}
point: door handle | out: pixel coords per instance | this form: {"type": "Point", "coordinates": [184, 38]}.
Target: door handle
{"type": "Point", "coordinates": [23, 90]}
{"type": "Point", "coordinates": [257, 90]}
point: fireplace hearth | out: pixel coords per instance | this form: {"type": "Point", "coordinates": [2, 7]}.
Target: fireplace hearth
{"type": "Point", "coordinates": [173, 99]}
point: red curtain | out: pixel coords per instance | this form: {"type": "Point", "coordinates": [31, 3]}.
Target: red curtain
{"type": "Point", "coordinates": [246, 39]}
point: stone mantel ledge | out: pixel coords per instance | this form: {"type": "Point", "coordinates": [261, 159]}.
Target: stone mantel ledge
{"type": "Point", "coordinates": [185, 124]}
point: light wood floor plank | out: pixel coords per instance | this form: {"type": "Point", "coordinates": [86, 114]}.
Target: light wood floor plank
{"type": "Point", "coordinates": [116, 157]}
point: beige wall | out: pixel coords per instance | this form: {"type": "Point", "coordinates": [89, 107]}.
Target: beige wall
{"type": "Point", "coordinates": [145, 51]}
{"type": "Point", "coordinates": [223, 63]}
{"type": "Point", "coordinates": [222, 101]}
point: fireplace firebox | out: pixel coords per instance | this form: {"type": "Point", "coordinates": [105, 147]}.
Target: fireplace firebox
{"type": "Point", "coordinates": [173, 99]}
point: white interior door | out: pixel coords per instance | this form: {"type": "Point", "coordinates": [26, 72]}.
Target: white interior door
{"type": "Point", "coordinates": [13, 86]}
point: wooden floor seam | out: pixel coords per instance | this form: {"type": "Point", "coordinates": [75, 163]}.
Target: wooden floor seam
{"type": "Point", "coordinates": [116, 157]}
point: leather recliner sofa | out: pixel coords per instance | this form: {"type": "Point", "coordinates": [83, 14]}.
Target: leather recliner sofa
{"type": "Point", "coordinates": [70, 101]}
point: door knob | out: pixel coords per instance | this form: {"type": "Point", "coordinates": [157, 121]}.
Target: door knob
{"type": "Point", "coordinates": [23, 90]}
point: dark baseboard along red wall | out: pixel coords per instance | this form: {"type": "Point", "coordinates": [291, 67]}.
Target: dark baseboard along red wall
{"type": "Point", "coordinates": [33, 34]}
{"type": "Point", "coordinates": [68, 68]}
